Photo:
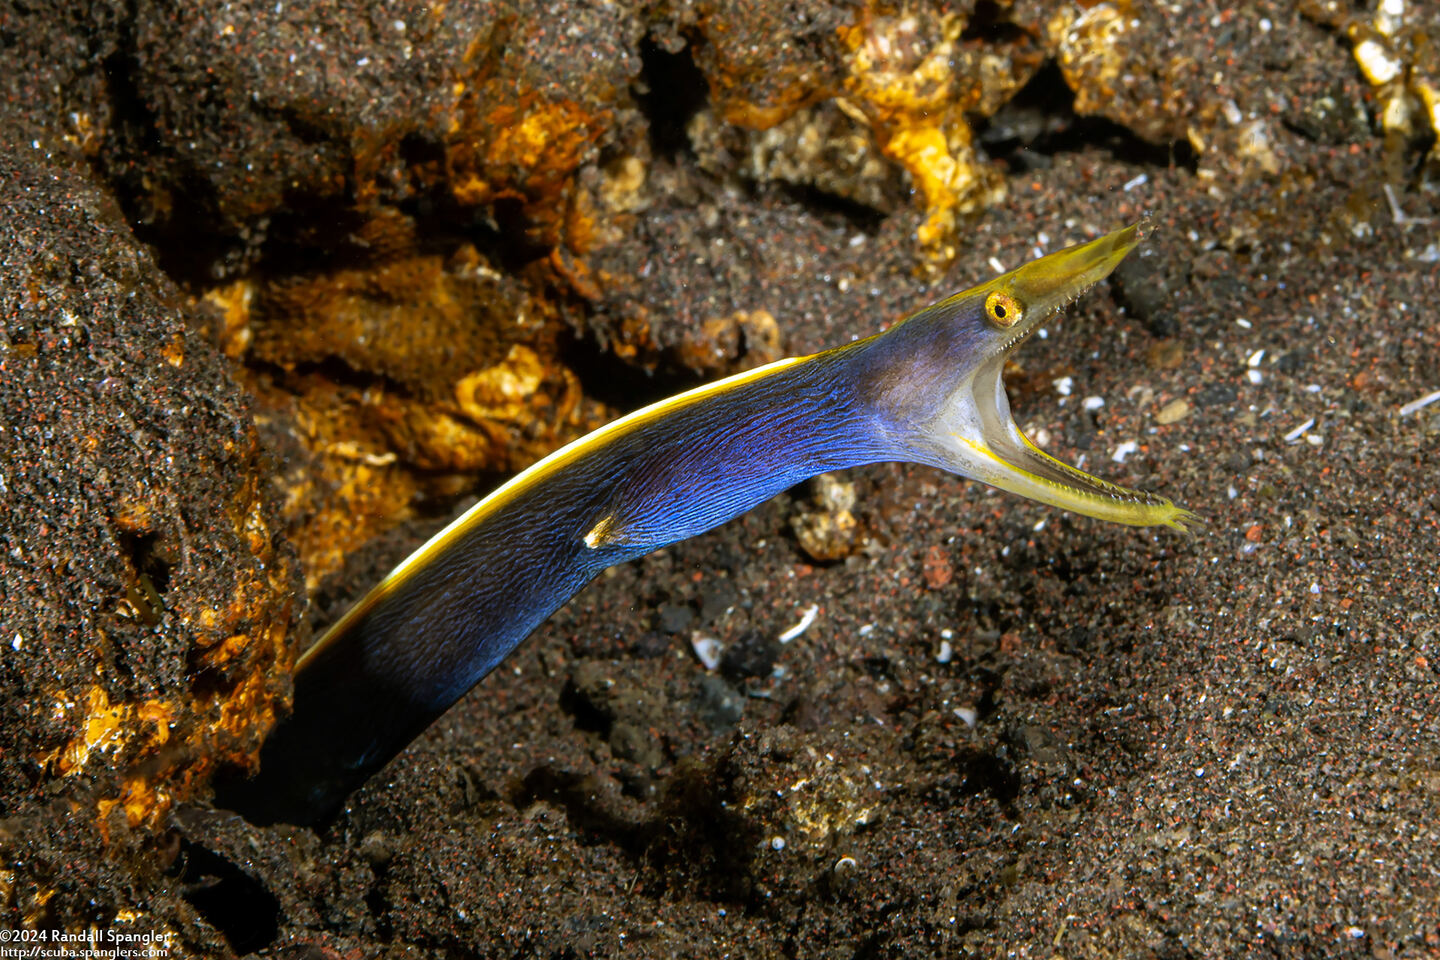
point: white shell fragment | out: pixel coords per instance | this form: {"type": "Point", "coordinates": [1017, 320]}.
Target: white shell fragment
{"type": "Point", "coordinates": [806, 618]}
{"type": "Point", "coordinates": [1416, 405]}
{"type": "Point", "coordinates": [707, 650]}
{"type": "Point", "coordinates": [1299, 431]}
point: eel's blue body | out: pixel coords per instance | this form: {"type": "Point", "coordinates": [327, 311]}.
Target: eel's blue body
{"type": "Point", "coordinates": [928, 390]}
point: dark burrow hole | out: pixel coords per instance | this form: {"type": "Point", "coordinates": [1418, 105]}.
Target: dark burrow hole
{"type": "Point", "coordinates": [134, 131]}
{"type": "Point", "coordinates": [310, 237]}
{"type": "Point", "coordinates": [152, 562]}
{"type": "Point", "coordinates": [672, 91]}
{"type": "Point", "coordinates": [513, 245]}
{"type": "Point", "coordinates": [233, 902]}
{"type": "Point", "coordinates": [149, 558]}
{"type": "Point", "coordinates": [616, 383]}
{"type": "Point", "coordinates": [423, 153]}
{"type": "Point", "coordinates": [583, 711]}
{"type": "Point", "coordinates": [987, 773]}
{"type": "Point", "coordinates": [334, 370]}
{"type": "Point", "coordinates": [988, 23]}
{"type": "Point", "coordinates": [577, 795]}
{"type": "Point", "coordinates": [978, 773]}
{"type": "Point", "coordinates": [858, 216]}
{"type": "Point", "coordinates": [1040, 122]}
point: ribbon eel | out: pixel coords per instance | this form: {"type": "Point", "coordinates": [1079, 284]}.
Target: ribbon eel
{"type": "Point", "coordinates": [928, 390]}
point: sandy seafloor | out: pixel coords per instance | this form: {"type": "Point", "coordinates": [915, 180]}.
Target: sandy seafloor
{"type": "Point", "coordinates": [1006, 730]}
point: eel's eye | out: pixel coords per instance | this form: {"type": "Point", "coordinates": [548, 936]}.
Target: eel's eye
{"type": "Point", "coordinates": [1002, 309]}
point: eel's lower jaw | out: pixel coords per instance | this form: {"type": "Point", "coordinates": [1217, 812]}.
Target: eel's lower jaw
{"type": "Point", "coordinates": [994, 450]}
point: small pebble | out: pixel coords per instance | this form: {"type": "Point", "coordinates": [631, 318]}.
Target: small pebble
{"type": "Point", "coordinates": [708, 650]}
{"type": "Point", "coordinates": [1165, 354]}
{"type": "Point", "coordinates": [936, 568]}
{"type": "Point", "coordinates": [1376, 61]}
{"type": "Point", "coordinates": [1173, 412]}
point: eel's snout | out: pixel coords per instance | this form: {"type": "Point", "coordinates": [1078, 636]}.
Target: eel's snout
{"type": "Point", "coordinates": [1047, 284]}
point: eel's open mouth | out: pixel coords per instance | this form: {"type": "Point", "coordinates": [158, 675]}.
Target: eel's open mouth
{"type": "Point", "coordinates": [1017, 465]}
{"type": "Point", "coordinates": [983, 437]}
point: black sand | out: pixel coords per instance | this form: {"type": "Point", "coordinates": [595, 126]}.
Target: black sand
{"type": "Point", "coordinates": [1006, 730]}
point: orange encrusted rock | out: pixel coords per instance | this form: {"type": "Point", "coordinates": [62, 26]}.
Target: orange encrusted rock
{"type": "Point", "coordinates": [150, 603]}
